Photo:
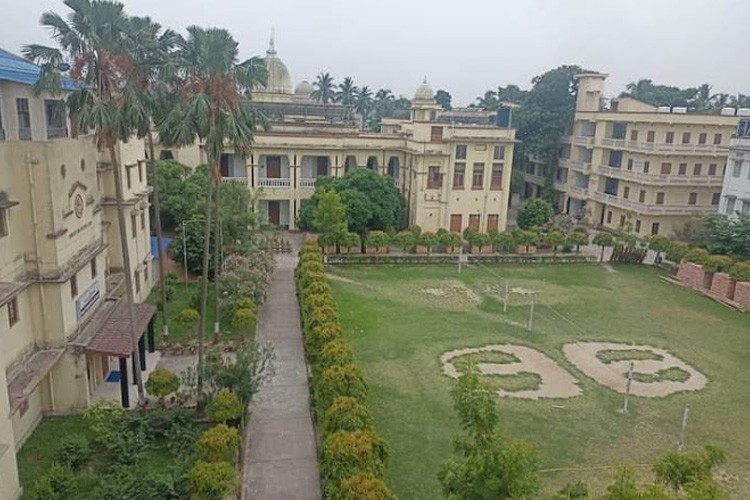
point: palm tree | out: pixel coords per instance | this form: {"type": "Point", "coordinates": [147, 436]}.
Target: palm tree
{"type": "Point", "coordinates": [702, 98]}
{"type": "Point", "coordinates": [215, 107]}
{"type": "Point", "coordinates": [153, 57]}
{"type": "Point", "coordinates": [347, 92]}
{"type": "Point", "coordinates": [93, 41]}
{"type": "Point", "coordinates": [488, 101]}
{"type": "Point", "coordinates": [363, 103]}
{"type": "Point", "coordinates": [323, 88]}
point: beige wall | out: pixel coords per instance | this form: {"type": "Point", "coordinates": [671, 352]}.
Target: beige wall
{"type": "Point", "coordinates": [9, 92]}
{"type": "Point", "coordinates": [9, 485]}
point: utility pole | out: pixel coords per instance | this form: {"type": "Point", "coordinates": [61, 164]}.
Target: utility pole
{"type": "Point", "coordinates": [505, 302]}
{"type": "Point", "coordinates": [531, 311]}
{"type": "Point", "coordinates": [627, 389]}
{"type": "Point", "coordinates": [184, 253]}
{"type": "Point", "coordinates": [460, 257]}
{"type": "Point", "coordinates": [685, 415]}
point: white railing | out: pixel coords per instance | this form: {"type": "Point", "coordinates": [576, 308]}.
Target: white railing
{"type": "Point", "coordinates": [242, 180]}
{"type": "Point", "coordinates": [307, 183]}
{"type": "Point", "coordinates": [661, 179]}
{"type": "Point", "coordinates": [269, 182]}
{"type": "Point", "coordinates": [580, 166]}
{"type": "Point", "coordinates": [644, 208]}
{"type": "Point", "coordinates": [579, 191]}
{"type": "Point", "coordinates": [581, 140]}
{"type": "Point", "coordinates": [660, 146]}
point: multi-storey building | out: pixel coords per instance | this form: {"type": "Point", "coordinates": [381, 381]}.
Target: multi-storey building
{"type": "Point", "coordinates": [62, 319]}
{"type": "Point", "coordinates": [635, 167]}
{"type": "Point", "coordinates": [453, 167]}
{"type": "Point", "coordinates": [735, 192]}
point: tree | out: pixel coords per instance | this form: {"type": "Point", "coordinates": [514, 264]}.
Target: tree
{"type": "Point", "coordinates": [578, 238]}
{"type": "Point", "coordinates": [535, 213]}
{"type": "Point", "coordinates": [347, 92]}
{"type": "Point", "coordinates": [444, 98]}
{"type": "Point", "coordinates": [488, 101]}
{"type": "Point", "coordinates": [661, 95]}
{"type": "Point", "coordinates": [359, 210]}
{"type": "Point", "coordinates": [556, 238]}
{"type": "Point", "coordinates": [213, 107]}
{"type": "Point", "coordinates": [511, 94]}
{"type": "Point", "coordinates": [603, 240]}
{"type": "Point", "coordinates": [94, 43]}
{"type": "Point", "coordinates": [329, 218]}
{"type": "Point", "coordinates": [323, 85]}
{"type": "Point", "coordinates": [659, 244]}
{"type": "Point", "coordinates": [363, 103]}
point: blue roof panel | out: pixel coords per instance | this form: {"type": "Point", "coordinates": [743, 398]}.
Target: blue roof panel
{"type": "Point", "coordinates": [16, 69]}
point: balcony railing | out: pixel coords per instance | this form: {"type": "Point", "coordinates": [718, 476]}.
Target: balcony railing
{"type": "Point", "coordinates": [534, 179]}
{"type": "Point", "coordinates": [644, 208]}
{"type": "Point", "coordinates": [307, 183]}
{"type": "Point", "coordinates": [24, 134]}
{"type": "Point", "coordinates": [274, 182]}
{"type": "Point", "coordinates": [56, 132]}
{"type": "Point", "coordinates": [660, 147]}
{"type": "Point", "coordinates": [579, 166]}
{"type": "Point", "coordinates": [577, 191]}
{"type": "Point", "coordinates": [659, 179]}
{"type": "Point", "coordinates": [242, 180]}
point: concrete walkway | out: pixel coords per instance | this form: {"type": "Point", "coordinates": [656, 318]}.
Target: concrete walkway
{"type": "Point", "coordinates": [280, 458]}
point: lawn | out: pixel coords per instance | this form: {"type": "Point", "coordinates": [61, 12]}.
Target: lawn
{"type": "Point", "coordinates": [400, 320]}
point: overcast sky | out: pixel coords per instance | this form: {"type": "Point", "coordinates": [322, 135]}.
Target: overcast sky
{"type": "Point", "coordinates": [464, 46]}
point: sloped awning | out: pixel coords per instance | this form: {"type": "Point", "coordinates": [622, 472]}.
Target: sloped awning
{"type": "Point", "coordinates": [29, 375]}
{"type": "Point", "coordinates": [113, 335]}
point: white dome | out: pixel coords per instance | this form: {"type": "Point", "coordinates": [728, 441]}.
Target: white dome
{"type": "Point", "coordinates": [424, 92]}
{"type": "Point", "coordinates": [279, 81]}
{"type": "Point", "coordinates": [304, 89]}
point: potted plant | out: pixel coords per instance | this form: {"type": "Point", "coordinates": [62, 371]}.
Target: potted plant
{"type": "Point", "coordinates": [351, 243]}
{"type": "Point", "coordinates": [427, 241]}
{"type": "Point", "coordinates": [502, 242]}
{"type": "Point", "coordinates": [328, 241]}
{"type": "Point", "coordinates": [376, 242]}
{"type": "Point", "coordinates": [405, 240]}
{"type": "Point", "coordinates": [451, 241]}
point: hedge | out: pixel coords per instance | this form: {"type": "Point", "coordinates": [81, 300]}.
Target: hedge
{"type": "Point", "coordinates": [452, 259]}
{"type": "Point", "coordinates": [353, 457]}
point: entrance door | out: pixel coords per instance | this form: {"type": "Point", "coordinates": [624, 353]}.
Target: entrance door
{"type": "Point", "coordinates": [274, 209]}
{"type": "Point", "coordinates": [456, 223]}
{"type": "Point", "coordinates": [273, 168]}
{"type": "Point", "coordinates": [492, 222]}
{"type": "Point", "coordinates": [474, 222]}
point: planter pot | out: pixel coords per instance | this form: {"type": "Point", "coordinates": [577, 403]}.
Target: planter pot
{"type": "Point", "coordinates": [329, 249]}
{"type": "Point", "coordinates": [723, 285]}
{"type": "Point", "coordinates": [354, 250]}
{"type": "Point", "coordinates": [485, 249]}
{"type": "Point", "coordinates": [742, 294]}
{"type": "Point", "coordinates": [531, 249]}
{"type": "Point", "coordinates": [707, 280]}
{"type": "Point", "coordinates": [691, 275]}
{"type": "Point", "coordinates": [421, 249]}
{"type": "Point", "coordinates": [343, 250]}
{"type": "Point", "coordinates": [519, 249]}
{"type": "Point", "coordinates": [376, 250]}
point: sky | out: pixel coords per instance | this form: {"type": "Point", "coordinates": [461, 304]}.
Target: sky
{"type": "Point", "coordinates": [465, 47]}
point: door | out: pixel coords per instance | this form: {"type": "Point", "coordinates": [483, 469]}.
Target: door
{"type": "Point", "coordinates": [273, 168]}
{"type": "Point", "coordinates": [455, 223]}
{"type": "Point", "coordinates": [492, 222]}
{"type": "Point", "coordinates": [474, 222]}
{"type": "Point", "coordinates": [224, 166]}
{"type": "Point", "coordinates": [273, 212]}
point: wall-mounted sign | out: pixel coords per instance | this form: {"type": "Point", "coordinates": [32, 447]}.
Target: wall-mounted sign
{"type": "Point", "coordinates": [78, 205]}
{"type": "Point", "coordinates": [87, 300]}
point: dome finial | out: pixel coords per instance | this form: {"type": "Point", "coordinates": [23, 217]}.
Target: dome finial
{"type": "Point", "coordinates": [272, 44]}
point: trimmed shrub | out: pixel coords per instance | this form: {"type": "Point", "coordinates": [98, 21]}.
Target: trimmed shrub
{"type": "Point", "coordinates": [451, 240]}
{"type": "Point", "coordinates": [243, 320]}
{"type": "Point", "coordinates": [57, 483]}
{"type": "Point", "coordinates": [740, 271]}
{"type": "Point", "coordinates": [676, 251]}
{"type": "Point", "coordinates": [377, 239]}
{"type": "Point", "coordinates": [224, 407]}
{"type": "Point", "coordinates": [246, 303]}
{"type": "Point", "coordinates": [211, 480]}
{"type": "Point", "coordinates": [338, 381]}
{"type": "Point", "coordinates": [348, 453]}
{"type": "Point", "coordinates": [73, 451]}
{"type": "Point", "coordinates": [717, 264]}
{"type": "Point", "coordinates": [319, 336]}
{"type": "Point", "coordinates": [697, 256]}
{"type": "Point", "coordinates": [351, 240]}
{"type": "Point", "coordinates": [346, 414]}
{"type": "Point", "coordinates": [502, 242]}
{"type": "Point", "coordinates": [219, 443]}
{"type": "Point", "coordinates": [365, 486]}
{"type": "Point", "coordinates": [161, 383]}
{"type": "Point", "coordinates": [335, 352]}
{"type": "Point", "coordinates": [429, 240]}
{"type": "Point", "coordinates": [405, 240]}
{"type": "Point", "coordinates": [188, 317]}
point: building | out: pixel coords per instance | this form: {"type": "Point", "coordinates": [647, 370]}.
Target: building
{"type": "Point", "coordinates": [62, 325]}
{"type": "Point", "coordinates": [453, 167]}
{"type": "Point", "coordinates": [735, 192]}
{"type": "Point", "coordinates": [629, 166]}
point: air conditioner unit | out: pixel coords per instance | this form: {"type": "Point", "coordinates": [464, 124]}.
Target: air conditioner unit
{"type": "Point", "coordinates": [663, 109]}
{"type": "Point", "coordinates": [727, 111]}
{"type": "Point", "coordinates": [681, 110]}
{"type": "Point", "coordinates": [743, 112]}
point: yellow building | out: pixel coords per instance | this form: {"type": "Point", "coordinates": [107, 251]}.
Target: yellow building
{"type": "Point", "coordinates": [60, 262]}
{"type": "Point", "coordinates": [453, 167]}
{"type": "Point", "coordinates": [635, 167]}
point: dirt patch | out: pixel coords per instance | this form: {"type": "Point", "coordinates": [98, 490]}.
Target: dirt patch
{"type": "Point", "coordinates": [652, 377]}
{"type": "Point", "coordinates": [451, 293]}
{"type": "Point", "coordinates": [553, 382]}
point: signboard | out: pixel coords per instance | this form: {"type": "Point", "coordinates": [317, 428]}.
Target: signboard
{"type": "Point", "coordinates": [87, 300]}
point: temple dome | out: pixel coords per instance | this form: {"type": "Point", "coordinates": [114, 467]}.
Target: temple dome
{"type": "Point", "coordinates": [279, 81]}
{"type": "Point", "coordinates": [424, 92]}
{"type": "Point", "coordinates": [303, 89]}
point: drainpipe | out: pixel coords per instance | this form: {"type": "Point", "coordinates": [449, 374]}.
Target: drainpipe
{"type": "Point", "coordinates": [30, 161]}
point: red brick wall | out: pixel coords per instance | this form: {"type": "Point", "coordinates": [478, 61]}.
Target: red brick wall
{"type": "Point", "coordinates": [723, 285]}
{"type": "Point", "coordinates": [692, 275]}
{"type": "Point", "coordinates": [742, 294]}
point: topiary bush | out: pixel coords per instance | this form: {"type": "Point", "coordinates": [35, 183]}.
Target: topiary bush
{"type": "Point", "coordinates": [335, 352]}
{"type": "Point", "coordinates": [740, 271]}
{"type": "Point", "coordinates": [246, 303]}
{"type": "Point", "coordinates": [697, 256]}
{"type": "Point", "coordinates": [348, 453]}
{"type": "Point", "coordinates": [243, 320]}
{"type": "Point", "coordinates": [188, 317]}
{"type": "Point", "coordinates": [224, 407]}
{"type": "Point", "coordinates": [676, 251]}
{"type": "Point", "coordinates": [377, 239]}
{"type": "Point", "coordinates": [219, 443]}
{"type": "Point", "coordinates": [211, 480]}
{"type": "Point", "coordinates": [405, 240]}
{"type": "Point", "coordinates": [346, 414]}
{"type": "Point", "coordinates": [364, 486]}
{"type": "Point", "coordinates": [717, 264]}
{"type": "Point", "coordinates": [338, 381]}
{"type": "Point", "coordinates": [161, 383]}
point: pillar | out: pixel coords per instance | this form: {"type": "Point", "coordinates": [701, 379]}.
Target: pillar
{"type": "Point", "coordinates": [124, 390]}
{"type": "Point", "coordinates": [151, 343]}
{"type": "Point", "coordinates": [142, 352]}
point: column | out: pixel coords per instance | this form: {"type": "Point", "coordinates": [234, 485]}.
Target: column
{"type": "Point", "coordinates": [142, 352]}
{"type": "Point", "coordinates": [124, 390]}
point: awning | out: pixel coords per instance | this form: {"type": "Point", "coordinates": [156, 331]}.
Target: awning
{"type": "Point", "coordinates": [113, 334]}
{"type": "Point", "coordinates": [8, 290]}
{"type": "Point", "coordinates": [29, 375]}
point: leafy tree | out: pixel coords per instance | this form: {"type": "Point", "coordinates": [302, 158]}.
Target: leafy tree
{"type": "Point", "coordinates": [363, 103]}
{"type": "Point", "coordinates": [359, 210]}
{"type": "Point", "coordinates": [603, 240]}
{"type": "Point", "coordinates": [176, 196]}
{"type": "Point", "coordinates": [488, 101]}
{"type": "Point", "coordinates": [161, 383]}
{"type": "Point", "coordinates": [347, 92]}
{"type": "Point", "coordinates": [578, 238]}
{"type": "Point", "coordinates": [443, 97]}
{"type": "Point", "coordinates": [405, 240]}
{"type": "Point", "coordinates": [329, 217]}
{"type": "Point", "coordinates": [511, 94]}
{"type": "Point", "coordinates": [324, 89]}
{"type": "Point", "coordinates": [728, 235]}
{"type": "Point", "coordinates": [535, 213]}
{"type": "Point", "coordinates": [679, 470]}
{"type": "Point", "coordinates": [556, 238]}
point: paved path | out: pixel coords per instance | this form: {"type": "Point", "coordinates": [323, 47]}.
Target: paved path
{"type": "Point", "coordinates": [281, 457]}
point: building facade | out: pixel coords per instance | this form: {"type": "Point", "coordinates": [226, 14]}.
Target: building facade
{"type": "Point", "coordinates": [453, 167]}
{"type": "Point", "coordinates": [638, 168]}
{"type": "Point", "coordinates": [60, 259]}
{"type": "Point", "coordinates": [735, 192]}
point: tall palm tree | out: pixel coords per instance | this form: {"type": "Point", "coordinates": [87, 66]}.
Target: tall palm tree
{"type": "Point", "coordinates": [323, 88]}
{"type": "Point", "coordinates": [152, 52]}
{"type": "Point", "coordinates": [215, 107]}
{"type": "Point", "coordinates": [92, 42]}
{"type": "Point", "coordinates": [347, 92]}
{"type": "Point", "coordinates": [488, 101]}
{"type": "Point", "coordinates": [363, 103]}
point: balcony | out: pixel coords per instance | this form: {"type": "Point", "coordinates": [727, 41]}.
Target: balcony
{"type": "Point", "coordinates": [307, 183]}
{"type": "Point", "coordinates": [24, 134]}
{"type": "Point", "coordinates": [578, 166]}
{"type": "Point", "coordinates": [660, 147]}
{"type": "Point", "coordinates": [241, 180]}
{"type": "Point", "coordinates": [274, 182]}
{"type": "Point", "coordinates": [534, 179]}
{"type": "Point", "coordinates": [577, 191]}
{"type": "Point", "coordinates": [56, 132]}
{"type": "Point", "coordinates": [580, 140]}
{"type": "Point", "coordinates": [661, 180]}
{"type": "Point", "coordinates": [652, 209]}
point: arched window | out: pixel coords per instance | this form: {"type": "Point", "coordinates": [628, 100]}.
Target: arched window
{"type": "Point", "coordinates": [350, 163]}
{"type": "Point", "coordinates": [372, 163]}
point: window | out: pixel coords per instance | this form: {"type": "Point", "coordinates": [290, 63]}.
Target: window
{"type": "Point", "coordinates": [145, 276]}
{"type": "Point", "coordinates": [461, 152]}
{"type": "Point", "coordinates": [498, 153]}
{"type": "Point", "coordinates": [434, 179]}
{"type": "Point", "coordinates": [642, 196]}
{"type": "Point", "coordinates": [638, 225]}
{"type": "Point", "coordinates": [54, 112]}
{"type": "Point", "coordinates": [712, 169]}
{"type": "Point", "coordinates": [660, 198]}
{"type": "Point", "coordinates": [697, 169]}
{"type": "Point", "coordinates": [737, 169]}
{"type": "Point", "coordinates": [717, 138]}
{"type": "Point", "coordinates": [24, 119]}
{"type": "Point", "coordinates": [702, 138]}
{"type": "Point", "coordinates": [646, 167]}
{"type": "Point", "coordinates": [650, 136]}
{"type": "Point", "coordinates": [654, 228]}
{"type": "Point", "coordinates": [137, 281]}
{"type": "Point", "coordinates": [455, 223]}
{"type": "Point", "coordinates": [496, 180]}
{"type": "Point", "coordinates": [140, 171]}
{"type": "Point", "coordinates": [731, 200]}
{"type": "Point", "coordinates": [609, 216]}
{"type": "Point", "coordinates": [92, 266]}
{"type": "Point", "coordinates": [73, 286]}
{"type": "Point", "coordinates": [134, 224]}
{"type": "Point", "coordinates": [633, 135]}
{"type": "Point", "coordinates": [692, 198]}
{"type": "Point", "coordinates": [715, 198]}
{"type": "Point", "coordinates": [459, 171]}
{"type": "Point", "coordinates": [745, 208]}
{"type": "Point", "coordinates": [669, 138]}
{"type": "Point", "coordinates": [682, 170]}
{"type": "Point", "coordinates": [3, 223]}
{"type": "Point", "coordinates": [12, 312]}
{"type": "Point", "coordinates": [130, 181]}
{"type": "Point", "coordinates": [436, 134]}
{"type": "Point", "coordinates": [626, 192]}
{"type": "Point", "coordinates": [143, 221]}
{"type": "Point", "coordinates": [492, 222]}
{"type": "Point", "coordinates": [630, 164]}
{"type": "Point", "coordinates": [166, 154]}
{"type": "Point", "coordinates": [686, 137]}
{"type": "Point", "coordinates": [474, 221]}
{"type": "Point", "coordinates": [666, 168]}
{"type": "Point", "coordinates": [622, 221]}
{"type": "Point", "coordinates": [477, 179]}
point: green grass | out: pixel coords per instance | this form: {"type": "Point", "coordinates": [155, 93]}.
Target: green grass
{"type": "Point", "coordinates": [398, 337]}
{"type": "Point", "coordinates": [614, 355]}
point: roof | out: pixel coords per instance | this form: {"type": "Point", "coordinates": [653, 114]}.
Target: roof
{"type": "Point", "coordinates": [111, 328]}
{"type": "Point", "coordinates": [16, 69]}
{"type": "Point", "coordinates": [23, 381]}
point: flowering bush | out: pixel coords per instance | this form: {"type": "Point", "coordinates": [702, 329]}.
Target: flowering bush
{"type": "Point", "coordinates": [218, 443]}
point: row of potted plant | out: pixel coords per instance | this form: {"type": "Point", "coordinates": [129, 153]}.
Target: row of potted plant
{"type": "Point", "coordinates": [719, 274]}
